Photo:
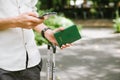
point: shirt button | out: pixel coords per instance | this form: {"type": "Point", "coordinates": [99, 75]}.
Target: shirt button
{"type": "Point", "coordinates": [26, 43]}
{"type": "Point", "coordinates": [19, 7]}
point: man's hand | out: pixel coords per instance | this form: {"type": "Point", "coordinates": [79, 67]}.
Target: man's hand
{"type": "Point", "coordinates": [28, 20]}
{"type": "Point", "coordinates": [49, 34]}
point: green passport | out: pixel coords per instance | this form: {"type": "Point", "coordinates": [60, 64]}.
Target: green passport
{"type": "Point", "coordinates": [68, 35]}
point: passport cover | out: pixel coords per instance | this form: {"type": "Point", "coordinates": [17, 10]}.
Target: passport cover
{"type": "Point", "coordinates": [68, 35]}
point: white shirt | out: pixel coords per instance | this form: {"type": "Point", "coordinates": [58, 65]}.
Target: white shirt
{"type": "Point", "coordinates": [15, 42]}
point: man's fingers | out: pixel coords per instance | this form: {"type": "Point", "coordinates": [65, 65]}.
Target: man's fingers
{"type": "Point", "coordinates": [66, 45]}
{"type": "Point", "coordinates": [35, 20]}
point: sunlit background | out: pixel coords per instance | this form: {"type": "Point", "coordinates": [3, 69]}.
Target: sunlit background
{"type": "Point", "coordinates": [96, 56]}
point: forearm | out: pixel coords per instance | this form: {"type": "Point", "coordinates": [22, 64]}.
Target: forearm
{"type": "Point", "coordinates": [48, 34]}
{"type": "Point", "coordinates": [7, 23]}
{"type": "Point", "coordinates": [40, 27]}
{"type": "Point", "coordinates": [26, 20]}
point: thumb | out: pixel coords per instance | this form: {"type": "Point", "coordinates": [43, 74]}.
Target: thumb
{"type": "Point", "coordinates": [59, 29]}
{"type": "Point", "coordinates": [32, 14]}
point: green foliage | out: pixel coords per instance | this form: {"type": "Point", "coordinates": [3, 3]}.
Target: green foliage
{"type": "Point", "coordinates": [53, 22]}
{"type": "Point", "coordinates": [116, 21]}
{"type": "Point", "coordinates": [58, 21]}
{"type": "Point", "coordinates": [117, 25]}
{"type": "Point", "coordinates": [38, 5]}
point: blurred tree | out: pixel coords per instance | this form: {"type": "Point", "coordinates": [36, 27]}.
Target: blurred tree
{"type": "Point", "coordinates": [56, 4]}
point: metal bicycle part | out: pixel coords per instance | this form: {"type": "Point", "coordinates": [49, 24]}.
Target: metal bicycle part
{"type": "Point", "coordinates": [51, 63]}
